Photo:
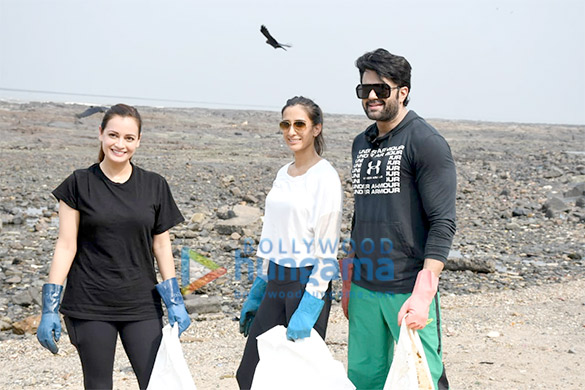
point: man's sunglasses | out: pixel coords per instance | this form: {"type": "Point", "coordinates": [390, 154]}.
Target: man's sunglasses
{"type": "Point", "coordinates": [298, 125]}
{"type": "Point", "coordinates": [382, 90]}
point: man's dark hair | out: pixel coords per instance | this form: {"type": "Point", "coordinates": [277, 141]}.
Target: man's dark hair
{"type": "Point", "coordinates": [388, 65]}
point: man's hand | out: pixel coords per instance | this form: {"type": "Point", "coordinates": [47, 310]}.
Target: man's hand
{"type": "Point", "coordinates": [346, 268]}
{"type": "Point", "coordinates": [417, 306]}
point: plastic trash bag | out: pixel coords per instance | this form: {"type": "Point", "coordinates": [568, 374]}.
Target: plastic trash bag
{"type": "Point", "coordinates": [170, 369]}
{"type": "Point", "coordinates": [302, 364]}
{"type": "Point", "coordinates": [409, 369]}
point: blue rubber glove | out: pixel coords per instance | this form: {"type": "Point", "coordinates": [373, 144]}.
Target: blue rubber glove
{"type": "Point", "coordinates": [49, 330]}
{"type": "Point", "coordinates": [251, 305]}
{"type": "Point", "coordinates": [304, 318]}
{"type": "Point", "coordinates": [171, 295]}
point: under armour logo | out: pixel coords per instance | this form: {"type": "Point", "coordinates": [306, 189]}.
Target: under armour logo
{"type": "Point", "coordinates": [372, 166]}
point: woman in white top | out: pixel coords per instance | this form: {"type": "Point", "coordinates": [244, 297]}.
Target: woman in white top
{"type": "Point", "coordinates": [299, 240]}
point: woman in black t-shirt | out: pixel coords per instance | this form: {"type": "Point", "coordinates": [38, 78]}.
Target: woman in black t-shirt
{"type": "Point", "coordinates": [113, 216]}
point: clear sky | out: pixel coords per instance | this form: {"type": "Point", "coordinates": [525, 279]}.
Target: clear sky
{"type": "Point", "coordinates": [496, 60]}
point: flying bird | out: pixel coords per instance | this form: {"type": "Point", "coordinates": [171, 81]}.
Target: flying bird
{"type": "Point", "coordinates": [270, 40]}
{"type": "Point", "coordinates": [92, 110]}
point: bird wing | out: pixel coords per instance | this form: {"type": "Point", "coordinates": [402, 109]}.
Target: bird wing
{"type": "Point", "coordinates": [92, 110]}
{"type": "Point", "coordinates": [270, 39]}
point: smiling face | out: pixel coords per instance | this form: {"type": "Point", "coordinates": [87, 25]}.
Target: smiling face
{"type": "Point", "coordinates": [119, 139]}
{"type": "Point", "coordinates": [377, 109]}
{"type": "Point", "coordinates": [299, 139]}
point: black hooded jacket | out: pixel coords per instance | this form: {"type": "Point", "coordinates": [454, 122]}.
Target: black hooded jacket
{"type": "Point", "coordinates": [404, 186]}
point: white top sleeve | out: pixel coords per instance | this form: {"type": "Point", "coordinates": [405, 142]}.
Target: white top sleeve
{"type": "Point", "coordinates": [326, 266]}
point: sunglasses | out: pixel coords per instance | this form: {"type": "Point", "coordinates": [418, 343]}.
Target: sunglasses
{"type": "Point", "coordinates": [382, 90]}
{"type": "Point", "coordinates": [298, 125]}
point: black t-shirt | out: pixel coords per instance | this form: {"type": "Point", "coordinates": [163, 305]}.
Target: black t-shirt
{"type": "Point", "coordinates": [112, 276]}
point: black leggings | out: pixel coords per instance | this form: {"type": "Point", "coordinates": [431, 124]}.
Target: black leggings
{"type": "Point", "coordinates": [96, 343]}
{"type": "Point", "coordinates": [283, 295]}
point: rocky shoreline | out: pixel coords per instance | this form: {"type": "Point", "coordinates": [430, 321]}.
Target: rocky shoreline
{"type": "Point", "coordinates": [520, 203]}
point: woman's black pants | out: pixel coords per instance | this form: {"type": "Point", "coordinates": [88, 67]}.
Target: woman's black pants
{"type": "Point", "coordinates": [284, 291]}
{"type": "Point", "coordinates": [96, 343]}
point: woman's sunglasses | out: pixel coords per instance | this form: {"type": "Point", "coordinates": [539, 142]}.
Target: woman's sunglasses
{"type": "Point", "coordinates": [382, 90]}
{"type": "Point", "coordinates": [297, 125]}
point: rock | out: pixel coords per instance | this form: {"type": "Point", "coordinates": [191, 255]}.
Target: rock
{"type": "Point", "coordinates": [230, 245]}
{"type": "Point", "coordinates": [513, 226]}
{"type": "Point", "coordinates": [5, 324]}
{"type": "Point", "coordinates": [247, 211]}
{"type": "Point", "coordinates": [555, 205]}
{"type": "Point", "coordinates": [228, 179]}
{"type": "Point", "coordinates": [580, 202]}
{"type": "Point", "coordinates": [193, 226]}
{"type": "Point", "coordinates": [189, 234]}
{"type": "Point", "coordinates": [457, 262]}
{"type": "Point", "coordinates": [230, 226]}
{"type": "Point", "coordinates": [577, 179]}
{"type": "Point", "coordinates": [245, 216]}
{"type": "Point", "coordinates": [41, 225]}
{"type": "Point", "coordinates": [519, 212]}
{"type": "Point", "coordinates": [235, 236]}
{"type": "Point", "coordinates": [236, 192]}
{"type": "Point", "coordinates": [250, 198]}
{"type": "Point", "coordinates": [24, 298]}
{"type": "Point", "coordinates": [493, 334]}
{"type": "Point", "coordinates": [578, 190]}
{"type": "Point", "coordinates": [13, 280]}
{"type": "Point", "coordinates": [29, 325]}
{"type": "Point", "coordinates": [225, 212]}
{"type": "Point", "coordinates": [203, 304]}
{"type": "Point", "coordinates": [249, 233]}
{"type": "Point", "coordinates": [197, 218]}
{"type": "Point", "coordinates": [552, 173]}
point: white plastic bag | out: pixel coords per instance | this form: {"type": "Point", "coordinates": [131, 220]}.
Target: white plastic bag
{"type": "Point", "coordinates": [409, 369]}
{"type": "Point", "coordinates": [170, 368]}
{"type": "Point", "coordinates": [302, 364]}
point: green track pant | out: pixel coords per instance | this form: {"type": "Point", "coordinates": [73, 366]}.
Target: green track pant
{"type": "Point", "coordinates": [373, 330]}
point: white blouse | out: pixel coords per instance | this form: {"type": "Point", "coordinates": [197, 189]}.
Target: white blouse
{"type": "Point", "coordinates": [302, 223]}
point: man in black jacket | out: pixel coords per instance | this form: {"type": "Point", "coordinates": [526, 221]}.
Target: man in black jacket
{"type": "Point", "coordinates": [404, 185]}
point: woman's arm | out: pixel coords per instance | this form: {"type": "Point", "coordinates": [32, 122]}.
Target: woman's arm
{"type": "Point", "coordinates": [66, 246]}
{"type": "Point", "coordinates": [163, 252]}
{"type": "Point", "coordinates": [169, 288]}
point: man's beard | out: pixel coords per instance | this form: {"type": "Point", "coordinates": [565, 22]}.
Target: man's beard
{"type": "Point", "coordinates": [388, 113]}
